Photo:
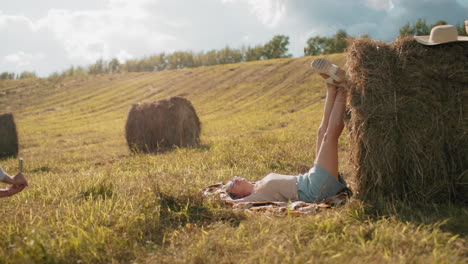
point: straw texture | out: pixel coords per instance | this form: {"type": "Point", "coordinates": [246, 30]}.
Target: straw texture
{"type": "Point", "coordinates": [408, 124]}
{"type": "Point", "coordinates": [161, 125]}
{"type": "Point", "coordinates": [8, 136]}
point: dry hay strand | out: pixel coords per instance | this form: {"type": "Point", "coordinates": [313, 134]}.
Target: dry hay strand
{"type": "Point", "coordinates": [408, 125]}
{"type": "Point", "coordinates": [8, 136]}
{"type": "Point", "coordinates": [161, 125]}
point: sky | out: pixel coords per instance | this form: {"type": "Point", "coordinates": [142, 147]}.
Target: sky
{"type": "Point", "coordinates": [51, 35]}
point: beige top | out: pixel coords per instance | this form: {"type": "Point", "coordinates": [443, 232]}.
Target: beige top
{"type": "Point", "coordinates": [274, 187]}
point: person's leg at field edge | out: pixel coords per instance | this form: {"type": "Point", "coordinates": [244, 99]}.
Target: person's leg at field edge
{"type": "Point", "coordinates": [330, 128]}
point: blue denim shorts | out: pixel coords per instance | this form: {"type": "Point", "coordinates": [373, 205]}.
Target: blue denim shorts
{"type": "Point", "coordinates": [318, 184]}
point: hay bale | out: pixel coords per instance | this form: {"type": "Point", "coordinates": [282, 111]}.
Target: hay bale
{"type": "Point", "coordinates": [161, 125]}
{"type": "Point", "coordinates": [8, 136]}
{"type": "Point", "coordinates": [408, 125]}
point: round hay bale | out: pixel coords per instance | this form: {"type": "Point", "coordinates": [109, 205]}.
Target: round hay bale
{"type": "Point", "coordinates": [408, 120]}
{"type": "Point", "coordinates": [161, 125]}
{"type": "Point", "coordinates": [8, 136]}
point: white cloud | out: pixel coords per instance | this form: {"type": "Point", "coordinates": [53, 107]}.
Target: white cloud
{"type": "Point", "coordinates": [90, 35]}
{"type": "Point", "coordinates": [22, 59]}
{"type": "Point", "coordinates": [380, 4]}
{"type": "Point", "coordinates": [80, 32]}
{"type": "Point", "coordinates": [129, 8]}
{"type": "Point", "coordinates": [123, 56]}
{"type": "Point", "coordinates": [121, 29]}
{"type": "Point", "coordinates": [11, 20]}
{"type": "Point", "coordinates": [268, 12]}
{"type": "Point", "coordinates": [320, 30]}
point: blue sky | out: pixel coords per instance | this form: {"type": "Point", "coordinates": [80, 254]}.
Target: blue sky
{"type": "Point", "coordinates": [51, 35]}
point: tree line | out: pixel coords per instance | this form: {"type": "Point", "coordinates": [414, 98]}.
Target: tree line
{"type": "Point", "coordinates": [14, 76]}
{"type": "Point", "coordinates": [277, 47]}
{"type": "Point", "coordinates": [421, 28]}
{"type": "Point", "coordinates": [337, 43]}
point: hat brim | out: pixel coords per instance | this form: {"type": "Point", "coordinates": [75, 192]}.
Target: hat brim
{"type": "Point", "coordinates": [425, 40]}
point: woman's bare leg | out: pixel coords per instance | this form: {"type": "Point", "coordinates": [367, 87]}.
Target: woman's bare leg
{"type": "Point", "coordinates": [329, 101]}
{"type": "Point", "coordinates": [327, 156]}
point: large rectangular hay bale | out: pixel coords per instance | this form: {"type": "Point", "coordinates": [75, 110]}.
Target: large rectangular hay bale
{"type": "Point", "coordinates": [408, 125]}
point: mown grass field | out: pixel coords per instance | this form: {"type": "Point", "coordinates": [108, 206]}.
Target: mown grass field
{"type": "Point", "coordinates": [91, 201]}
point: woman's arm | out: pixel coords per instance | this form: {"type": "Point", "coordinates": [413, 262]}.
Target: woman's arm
{"type": "Point", "coordinates": [17, 183]}
{"type": "Point", "coordinates": [14, 189]}
{"type": "Point", "coordinates": [254, 197]}
{"type": "Point", "coordinates": [19, 178]}
{"type": "Point", "coordinates": [5, 193]}
{"type": "Point", "coordinates": [4, 177]}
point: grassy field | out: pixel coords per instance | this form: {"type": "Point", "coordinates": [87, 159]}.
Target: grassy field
{"type": "Point", "coordinates": [91, 201]}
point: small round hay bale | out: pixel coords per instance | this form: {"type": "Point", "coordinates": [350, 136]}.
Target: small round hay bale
{"type": "Point", "coordinates": [8, 136]}
{"type": "Point", "coordinates": [161, 125]}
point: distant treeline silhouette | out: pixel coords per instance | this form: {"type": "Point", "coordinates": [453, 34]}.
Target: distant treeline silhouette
{"type": "Point", "coordinates": [277, 47]}
{"type": "Point", "coordinates": [13, 76]}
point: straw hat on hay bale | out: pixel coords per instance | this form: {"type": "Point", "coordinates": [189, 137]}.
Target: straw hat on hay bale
{"type": "Point", "coordinates": [408, 124]}
{"type": "Point", "coordinates": [161, 125]}
{"type": "Point", "coordinates": [8, 136]}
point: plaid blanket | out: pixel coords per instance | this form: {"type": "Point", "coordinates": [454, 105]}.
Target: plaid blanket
{"type": "Point", "coordinates": [218, 191]}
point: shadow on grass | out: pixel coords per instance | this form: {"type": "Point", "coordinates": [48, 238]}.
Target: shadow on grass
{"type": "Point", "coordinates": [171, 211]}
{"type": "Point", "coordinates": [161, 150]}
{"type": "Point", "coordinates": [41, 169]}
{"type": "Point", "coordinates": [452, 218]}
{"type": "Point", "coordinates": [99, 190]}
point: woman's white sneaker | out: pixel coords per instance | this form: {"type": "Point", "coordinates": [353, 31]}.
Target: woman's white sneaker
{"type": "Point", "coordinates": [324, 66]}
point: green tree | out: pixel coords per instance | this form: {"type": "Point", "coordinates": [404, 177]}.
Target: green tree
{"type": "Point", "coordinates": [146, 64]}
{"type": "Point", "coordinates": [98, 67]}
{"type": "Point", "coordinates": [210, 58]}
{"type": "Point", "coordinates": [462, 31]}
{"type": "Point", "coordinates": [406, 30]}
{"type": "Point", "coordinates": [27, 75]}
{"type": "Point", "coordinates": [317, 45]}
{"type": "Point", "coordinates": [127, 66]}
{"type": "Point", "coordinates": [180, 59]}
{"type": "Point", "coordinates": [55, 76]}
{"type": "Point", "coordinates": [276, 48]}
{"type": "Point", "coordinates": [421, 28]}
{"type": "Point", "coordinates": [439, 23]}
{"type": "Point", "coordinates": [339, 41]}
{"type": "Point", "coordinates": [365, 36]}
{"type": "Point", "coordinates": [68, 72]}
{"type": "Point", "coordinates": [114, 65]}
{"type": "Point", "coordinates": [228, 55]}
{"type": "Point", "coordinates": [253, 54]}
{"type": "Point", "coordinates": [326, 45]}
{"type": "Point", "coordinates": [160, 62]}
{"type": "Point", "coordinates": [7, 76]}
{"type": "Point", "coordinates": [80, 71]}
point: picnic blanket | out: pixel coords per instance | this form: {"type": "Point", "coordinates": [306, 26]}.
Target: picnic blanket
{"type": "Point", "coordinates": [218, 191]}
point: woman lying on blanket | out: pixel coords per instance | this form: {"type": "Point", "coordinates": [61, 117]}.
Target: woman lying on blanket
{"type": "Point", "coordinates": [323, 180]}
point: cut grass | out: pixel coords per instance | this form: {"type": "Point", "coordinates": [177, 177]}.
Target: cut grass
{"type": "Point", "coordinates": [91, 201]}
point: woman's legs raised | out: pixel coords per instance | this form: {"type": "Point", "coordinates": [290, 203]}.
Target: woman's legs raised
{"type": "Point", "coordinates": [327, 155]}
{"type": "Point", "coordinates": [329, 101]}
